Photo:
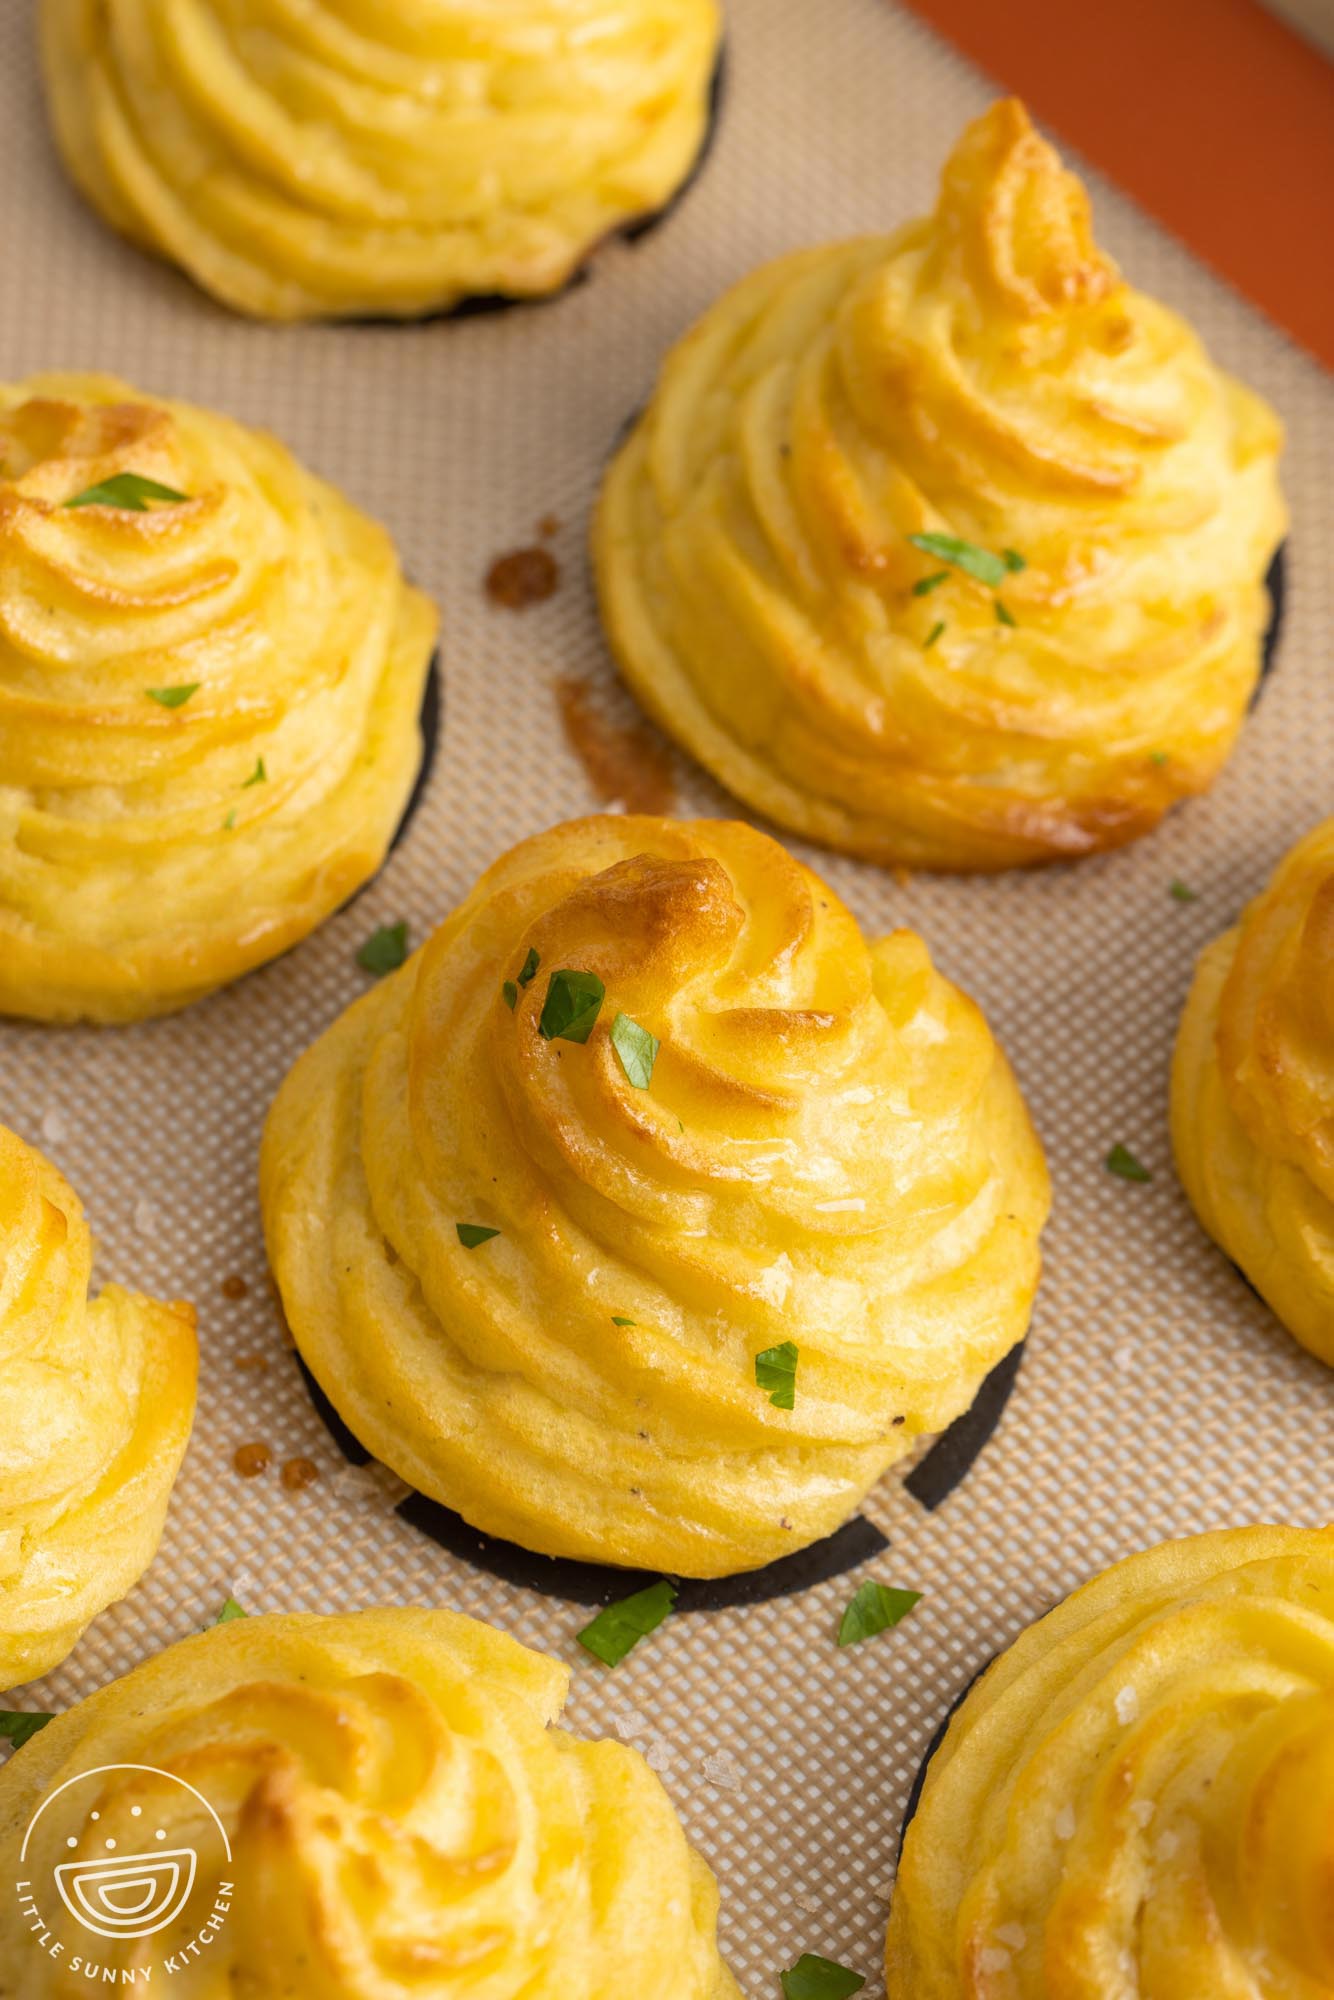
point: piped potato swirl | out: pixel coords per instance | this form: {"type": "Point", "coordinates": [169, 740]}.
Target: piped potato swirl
{"type": "Point", "coordinates": [403, 1821]}
{"type": "Point", "coordinates": [1253, 1092]}
{"type": "Point", "coordinates": [95, 1412]}
{"type": "Point", "coordinates": [352, 157]}
{"type": "Point", "coordinates": [208, 704]}
{"type": "Point", "coordinates": [984, 375]}
{"type": "Point", "coordinates": [831, 1151]}
{"type": "Point", "coordinates": [1138, 1797]}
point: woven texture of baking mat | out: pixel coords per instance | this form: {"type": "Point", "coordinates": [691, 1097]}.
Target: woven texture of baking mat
{"type": "Point", "coordinates": [1157, 1395]}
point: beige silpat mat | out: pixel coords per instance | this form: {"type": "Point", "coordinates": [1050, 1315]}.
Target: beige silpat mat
{"type": "Point", "coordinates": [1156, 1395]}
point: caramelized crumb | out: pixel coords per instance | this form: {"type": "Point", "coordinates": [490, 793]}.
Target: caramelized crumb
{"type": "Point", "coordinates": [521, 578]}
{"type": "Point", "coordinates": [299, 1472]}
{"type": "Point", "coordinates": [254, 1361]}
{"type": "Point", "coordinates": [234, 1288]}
{"type": "Point", "coordinates": [622, 762]}
{"type": "Point", "coordinates": [252, 1459]}
{"type": "Point", "coordinates": [902, 875]}
{"type": "Point", "coordinates": [548, 526]}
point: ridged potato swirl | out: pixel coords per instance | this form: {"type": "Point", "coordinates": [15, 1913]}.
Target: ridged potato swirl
{"type": "Point", "coordinates": [95, 1411]}
{"type": "Point", "coordinates": [987, 375]}
{"type": "Point", "coordinates": [1253, 1092]}
{"type": "Point", "coordinates": [831, 1150]}
{"type": "Point", "coordinates": [386, 157]}
{"type": "Point", "coordinates": [208, 705]}
{"type": "Point", "coordinates": [1138, 1797]}
{"type": "Point", "coordinates": [402, 1817]}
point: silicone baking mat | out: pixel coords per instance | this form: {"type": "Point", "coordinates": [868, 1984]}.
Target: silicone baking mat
{"type": "Point", "coordinates": [1156, 1394]}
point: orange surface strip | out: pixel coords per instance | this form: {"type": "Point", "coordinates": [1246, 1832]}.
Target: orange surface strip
{"type": "Point", "coordinates": [1211, 113]}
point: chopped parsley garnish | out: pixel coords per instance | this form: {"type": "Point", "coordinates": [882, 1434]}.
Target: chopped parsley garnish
{"type": "Point", "coordinates": [230, 1610]}
{"type": "Point", "coordinates": [619, 1319]}
{"type": "Point", "coordinates": [131, 491]}
{"type": "Point", "coordinates": [776, 1374]}
{"type": "Point", "coordinates": [20, 1725]}
{"type": "Point", "coordinates": [875, 1607]}
{"type": "Point", "coordinates": [932, 636]}
{"type": "Point", "coordinates": [1158, 757]}
{"type": "Point", "coordinates": [473, 1233]}
{"type": "Point", "coordinates": [173, 697]}
{"type": "Point", "coordinates": [509, 993]}
{"type": "Point", "coordinates": [816, 1978]}
{"type": "Point", "coordinates": [257, 776]}
{"type": "Point", "coordinates": [926, 584]}
{"type": "Point", "coordinates": [230, 821]}
{"type": "Point", "coordinates": [637, 1049]}
{"type": "Point", "coordinates": [1003, 612]}
{"type": "Point", "coordinates": [572, 1005]}
{"type": "Point", "coordinates": [1181, 892]}
{"type": "Point", "coordinates": [1013, 561]}
{"type": "Point", "coordinates": [1123, 1162]}
{"type": "Point", "coordinates": [530, 965]}
{"type": "Point", "coordinates": [384, 950]}
{"type": "Point", "coordinates": [618, 1628]}
{"type": "Point", "coordinates": [967, 556]}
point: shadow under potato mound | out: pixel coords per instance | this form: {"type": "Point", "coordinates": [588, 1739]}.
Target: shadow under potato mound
{"type": "Point", "coordinates": [935, 1477]}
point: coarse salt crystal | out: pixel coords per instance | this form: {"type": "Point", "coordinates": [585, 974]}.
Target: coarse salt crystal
{"type": "Point", "coordinates": [147, 1217]}
{"type": "Point", "coordinates": [721, 1768]}
{"type": "Point", "coordinates": [1127, 1706]}
{"type": "Point", "coordinates": [1166, 1844]}
{"type": "Point", "coordinates": [628, 1722]}
{"type": "Point", "coordinates": [658, 1753]}
{"type": "Point", "coordinates": [1141, 1811]}
{"type": "Point", "coordinates": [1012, 1935]}
{"type": "Point", "coordinates": [54, 1127]}
{"type": "Point", "coordinates": [1064, 1823]}
{"type": "Point", "coordinates": [992, 1958]}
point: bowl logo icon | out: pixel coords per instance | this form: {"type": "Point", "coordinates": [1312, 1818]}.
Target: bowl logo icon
{"type": "Point", "coordinates": [128, 1895]}
{"type": "Point", "coordinates": [131, 1852]}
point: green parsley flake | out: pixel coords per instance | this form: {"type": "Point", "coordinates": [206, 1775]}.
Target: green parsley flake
{"type": "Point", "coordinates": [257, 776]}
{"type": "Point", "coordinates": [776, 1373]}
{"type": "Point", "coordinates": [926, 584]}
{"type": "Point", "coordinates": [1181, 892]}
{"type": "Point", "coordinates": [473, 1233]}
{"type": "Point", "coordinates": [619, 1627]}
{"type": "Point", "coordinates": [572, 1005]}
{"type": "Point", "coordinates": [1158, 757]}
{"type": "Point", "coordinates": [229, 823]}
{"type": "Point", "coordinates": [1003, 613]}
{"type": "Point", "coordinates": [932, 636]}
{"type": "Point", "coordinates": [530, 965]}
{"type": "Point", "coordinates": [619, 1319]}
{"type": "Point", "coordinates": [509, 993]}
{"type": "Point", "coordinates": [875, 1607]}
{"type": "Point", "coordinates": [637, 1049]}
{"type": "Point", "coordinates": [1123, 1162]}
{"type": "Point", "coordinates": [384, 950]}
{"type": "Point", "coordinates": [21, 1725]}
{"type": "Point", "coordinates": [230, 1610]}
{"type": "Point", "coordinates": [816, 1978]}
{"type": "Point", "coordinates": [130, 491]}
{"type": "Point", "coordinates": [967, 556]}
{"type": "Point", "coordinates": [1013, 561]}
{"type": "Point", "coordinates": [174, 697]}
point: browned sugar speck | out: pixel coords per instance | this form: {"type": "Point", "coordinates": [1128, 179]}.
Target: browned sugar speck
{"type": "Point", "coordinates": [624, 762]}
{"type": "Point", "coordinates": [252, 1459]}
{"type": "Point", "coordinates": [521, 578]}
{"type": "Point", "coordinates": [234, 1288]}
{"type": "Point", "coordinates": [299, 1472]}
